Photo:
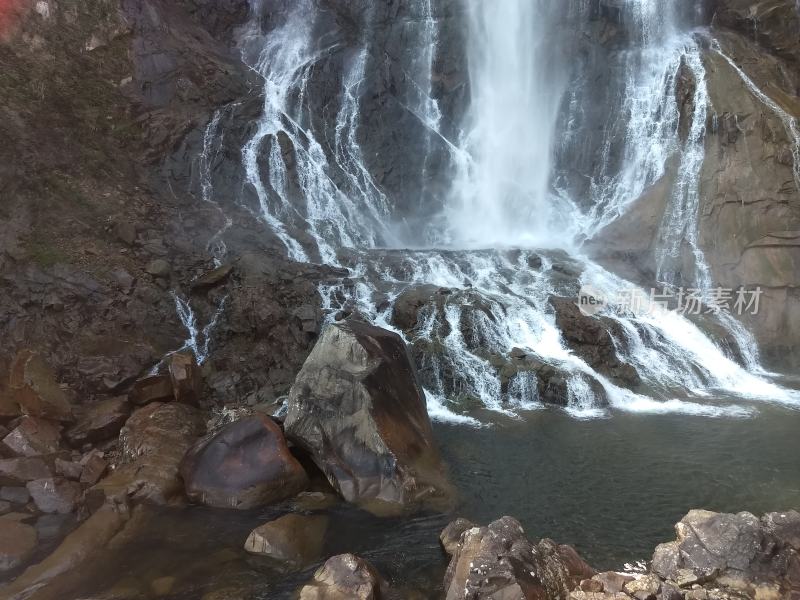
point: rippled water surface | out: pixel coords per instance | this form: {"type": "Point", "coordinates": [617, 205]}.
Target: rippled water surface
{"type": "Point", "coordinates": [613, 487]}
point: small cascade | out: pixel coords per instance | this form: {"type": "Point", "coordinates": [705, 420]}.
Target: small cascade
{"type": "Point", "coordinates": [199, 338]}
{"type": "Point", "coordinates": [790, 123]}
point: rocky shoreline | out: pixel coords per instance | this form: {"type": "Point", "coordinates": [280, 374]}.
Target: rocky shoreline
{"type": "Point", "coordinates": [353, 429]}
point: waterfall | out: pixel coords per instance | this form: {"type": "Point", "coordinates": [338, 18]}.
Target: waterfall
{"type": "Point", "coordinates": [486, 285]}
{"type": "Point", "coordinates": [517, 82]}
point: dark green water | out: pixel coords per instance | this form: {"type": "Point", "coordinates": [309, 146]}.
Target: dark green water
{"type": "Point", "coordinates": [613, 487]}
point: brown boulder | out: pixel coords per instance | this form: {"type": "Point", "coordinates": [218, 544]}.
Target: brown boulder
{"type": "Point", "coordinates": [94, 467]}
{"type": "Point", "coordinates": [101, 422]}
{"type": "Point", "coordinates": [212, 278]}
{"type": "Point", "coordinates": [358, 409]}
{"type": "Point", "coordinates": [244, 465]}
{"type": "Point", "coordinates": [185, 376]}
{"type": "Point", "coordinates": [345, 577]}
{"type": "Point", "coordinates": [157, 388]}
{"type": "Point", "coordinates": [17, 543]}
{"type": "Point", "coordinates": [296, 540]}
{"type": "Point", "coordinates": [33, 386]}
{"type": "Point", "coordinates": [152, 445]}
{"type": "Point", "coordinates": [34, 437]}
{"type": "Point", "coordinates": [498, 561]}
{"type": "Point", "coordinates": [55, 495]}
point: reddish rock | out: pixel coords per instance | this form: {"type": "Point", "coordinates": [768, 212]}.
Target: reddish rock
{"type": "Point", "coordinates": [55, 495]}
{"type": "Point", "coordinates": [34, 437]}
{"type": "Point", "coordinates": [152, 444]}
{"type": "Point", "coordinates": [157, 388]}
{"type": "Point", "coordinates": [185, 376]}
{"type": "Point", "coordinates": [94, 467]}
{"type": "Point", "coordinates": [23, 469]}
{"type": "Point", "coordinates": [34, 387]}
{"type": "Point", "coordinates": [244, 465]}
{"type": "Point", "coordinates": [17, 543]}
{"type": "Point", "coordinates": [101, 422]}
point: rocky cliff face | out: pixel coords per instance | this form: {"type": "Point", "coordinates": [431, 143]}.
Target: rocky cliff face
{"type": "Point", "coordinates": [750, 184]}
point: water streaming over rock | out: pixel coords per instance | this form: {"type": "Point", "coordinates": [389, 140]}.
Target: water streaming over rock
{"type": "Point", "coordinates": [476, 297]}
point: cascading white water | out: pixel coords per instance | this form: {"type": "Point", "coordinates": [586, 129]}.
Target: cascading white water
{"type": "Point", "coordinates": [502, 192]}
{"type": "Point", "coordinates": [496, 298]}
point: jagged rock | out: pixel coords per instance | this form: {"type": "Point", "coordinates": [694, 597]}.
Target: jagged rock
{"type": "Point", "coordinates": [345, 577]}
{"type": "Point", "coordinates": [406, 307]}
{"type": "Point", "coordinates": [296, 540]}
{"type": "Point", "coordinates": [244, 465]}
{"type": "Point", "coordinates": [582, 595]}
{"type": "Point", "coordinates": [357, 408]}
{"type": "Point", "coordinates": [590, 338]}
{"type": "Point", "coordinates": [152, 444]}
{"type": "Point", "coordinates": [709, 544]}
{"type": "Point", "coordinates": [592, 585]}
{"type": "Point", "coordinates": [157, 388]}
{"type": "Point", "coordinates": [17, 543]}
{"type": "Point", "coordinates": [159, 268]}
{"type": "Point", "coordinates": [498, 561]}
{"type": "Point", "coordinates": [69, 469]}
{"type": "Point", "coordinates": [783, 526]}
{"type": "Point", "coordinates": [452, 534]}
{"type": "Point", "coordinates": [185, 376]}
{"type": "Point", "coordinates": [55, 495]}
{"type": "Point", "coordinates": [101, 422]}
{"type": "Point", "coordinates": [643, 588]}
{"type": "Point", "coordinates": [34, 387]}
{"type": "Point", "coordinates": [212, 278]}
{"type": "Point", "coordinates": [612, 581]}
{"type": "Point", "coordinates": [23, 469]}
{"type": "Point", "coordinates": [34, 437]}
{"type": "Point", "coordinates": [94, 467]}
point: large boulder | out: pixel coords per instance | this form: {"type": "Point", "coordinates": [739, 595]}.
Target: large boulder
{"type": "Point", "coordinates": [710, 544]}
{"type": "Point", "coordinates": [34, 387]}
{"type": "Point", "coordinates": [345, 577]}
{"type": "Point", "coordinates": [244, 465]}
{"type": "Point", "coordinates": [498, 561]}
{"type": "Point", "coordinates": [357, 407]}
{"type": "Point", "coordinates": [153, 443]}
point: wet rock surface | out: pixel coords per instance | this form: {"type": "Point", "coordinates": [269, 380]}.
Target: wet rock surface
{"type": "Point", "coordinates": [153, 443]}
{"type": "Point", "coordinates": [294, 540]}
{"type": "Point", "coordinates": [345, 577]}
{"type": "Point", "coordinates": [357, 408]}
{"type": "Point", "coordinates": [498, 561]}
{"type": "Point", "coordinates": [245, 465]}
